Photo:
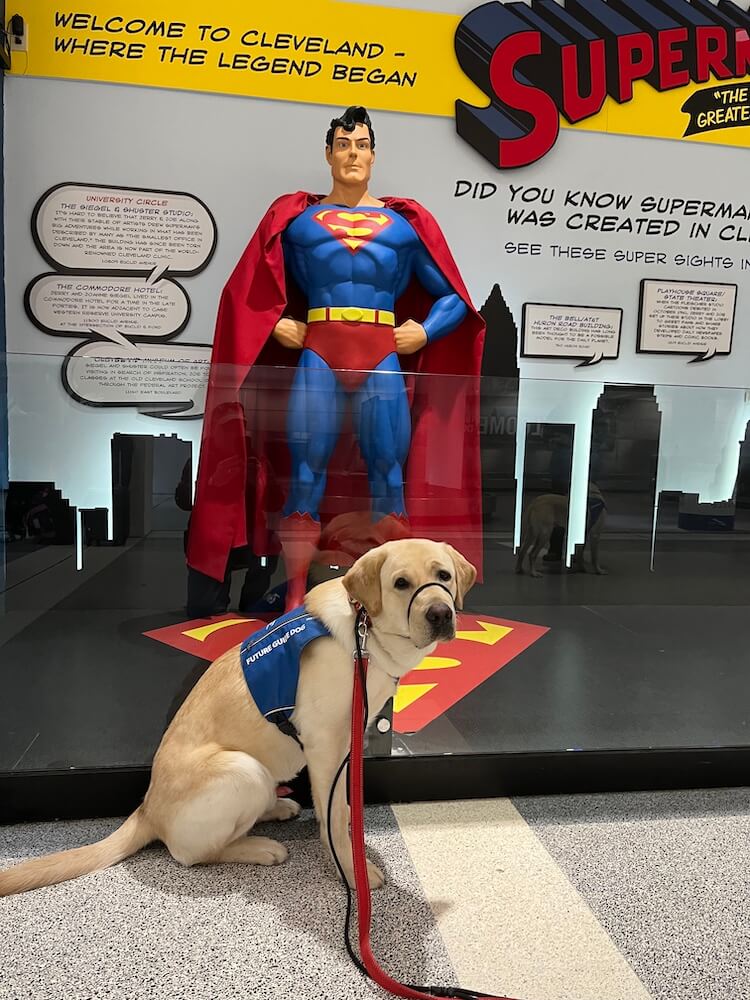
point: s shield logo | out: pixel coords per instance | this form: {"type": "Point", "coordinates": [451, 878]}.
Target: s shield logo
{"type": "Point", "coordinates": [483, 645]}
{"type": "Point", "coordinates": [353, 229]}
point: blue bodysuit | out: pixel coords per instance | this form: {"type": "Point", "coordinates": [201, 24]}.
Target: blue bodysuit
{"type": "Point", "coordinates": [352, 265]}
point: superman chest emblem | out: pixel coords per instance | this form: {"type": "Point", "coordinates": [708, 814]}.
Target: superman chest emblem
{"type": "Point", "coordinates": [354, 228]}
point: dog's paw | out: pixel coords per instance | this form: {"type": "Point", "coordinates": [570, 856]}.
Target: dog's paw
{"type": "Point", "coordinates": [269, 852]}
{"type": "Point", "coordinates": [600, 571]}
{"type": "Point", "coordinates": [536, 574]}
{"type": "Point", "coordinates": [375, 876]}
{"type": "Point", "coordinates": [283, 810]}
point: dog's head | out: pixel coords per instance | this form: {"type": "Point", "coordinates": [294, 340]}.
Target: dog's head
{"type": "Point", "coordinates": [412, 588]}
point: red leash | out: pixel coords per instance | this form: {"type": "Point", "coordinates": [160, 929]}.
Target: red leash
{"type": "Point", "coordinates": [356, 803]}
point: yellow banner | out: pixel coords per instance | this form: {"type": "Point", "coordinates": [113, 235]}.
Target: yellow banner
{"type": "Point", "coordinates": [318, 51]}
{"type": "Point", "coordinates": [321, 52]}
{"type": "Point", "coordinates": [660, 115]}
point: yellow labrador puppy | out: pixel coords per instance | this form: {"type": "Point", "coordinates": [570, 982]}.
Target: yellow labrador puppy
{"type": "Point", "coordinates": [550, 511]}
{"type": "Point", "coordinates": [216, 771]}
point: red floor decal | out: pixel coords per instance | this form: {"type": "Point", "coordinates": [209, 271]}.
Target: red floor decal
{"type": "Point", "coordinates": [207, 637]}
{"type": "Point", "coordinates": [482, 646]}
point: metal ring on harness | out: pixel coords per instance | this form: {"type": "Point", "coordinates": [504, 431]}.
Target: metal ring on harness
{"type": "Point", "coordinates": [423, 587]}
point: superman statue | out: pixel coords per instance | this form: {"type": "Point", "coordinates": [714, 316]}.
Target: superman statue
{"type": "Point", "coordinates": [332, 286]}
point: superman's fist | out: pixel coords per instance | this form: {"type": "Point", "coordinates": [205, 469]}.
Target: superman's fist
{"type": "Point", "coordinates": [290, 333]}
{"type": "Point", "coordinates": [409, 337]}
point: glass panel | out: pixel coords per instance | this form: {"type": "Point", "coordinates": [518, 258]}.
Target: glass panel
{"type": "Point", "coordinates": [548, 465]}
{"type": "Point", "coordinates": [104, 629]}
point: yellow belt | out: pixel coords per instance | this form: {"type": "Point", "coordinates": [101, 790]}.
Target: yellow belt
{"type": "Point", "coordinates": [351, 314]}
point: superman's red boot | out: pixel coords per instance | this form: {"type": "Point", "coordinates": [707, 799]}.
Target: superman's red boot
{"type": "Point", "coordinates": [299, 535]}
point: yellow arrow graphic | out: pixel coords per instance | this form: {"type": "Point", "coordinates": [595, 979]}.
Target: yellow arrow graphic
{"type": "Point", "coordinates": [202, 633]}
{"type": "Point", "coordinates": [437, 663]}
{"type": "Point", "coordinates": [489, 634]}
{"type": "Point", "coordinates": [407, 694]}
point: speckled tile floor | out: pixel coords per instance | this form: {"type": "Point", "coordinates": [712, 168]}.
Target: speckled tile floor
{"type": "Point", "coordinates": [606, 897]}
{"type": "Point", "coordinates": [149, 928]}
{"type": "Point", "coordinates": [667, 876]}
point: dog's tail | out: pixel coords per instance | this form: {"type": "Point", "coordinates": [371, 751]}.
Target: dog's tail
{"type": "Point", "coordinates": [134, 834]}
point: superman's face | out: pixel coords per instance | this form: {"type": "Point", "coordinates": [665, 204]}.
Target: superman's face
{"type": "Point", "coordinates": [351, 157]}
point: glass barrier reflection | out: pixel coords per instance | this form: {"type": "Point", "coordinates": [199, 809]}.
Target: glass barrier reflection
{"type": "Point", "coordinates": [107, 622]}
{"type": "Point", "coordinates": [548, 463]}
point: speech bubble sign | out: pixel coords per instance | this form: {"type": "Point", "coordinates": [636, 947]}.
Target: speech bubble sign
{"type": "Point", "coordinates": [99, 229]}
{"type": "Point", "coordinates": [591, 333]}
{"type": "Point", "coordinates": [686, 317]}
{"type": "Point", "coordinates": [71, 305]}
{"type": "Point", "coordinates": [160, 379]}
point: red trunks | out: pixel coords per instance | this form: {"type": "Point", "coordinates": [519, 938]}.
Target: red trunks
{"type": "Point", "coordinates": [351, 349]}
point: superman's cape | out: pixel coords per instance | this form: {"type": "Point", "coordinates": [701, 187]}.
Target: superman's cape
{"type": "Point", "coordinates": [243, 472]}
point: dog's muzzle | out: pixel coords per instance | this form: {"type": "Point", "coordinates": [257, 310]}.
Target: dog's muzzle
{"type": "Point", "coordinates": [439, 616]}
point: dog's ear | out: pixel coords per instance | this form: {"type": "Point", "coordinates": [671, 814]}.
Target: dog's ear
{"type": "Point", "coordinates": [466, 575]}
{"type": "Point", "coordinates": [362, 582]}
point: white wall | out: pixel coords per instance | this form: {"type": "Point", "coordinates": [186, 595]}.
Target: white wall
{"type": "Point", "coordinates": [238, 154]}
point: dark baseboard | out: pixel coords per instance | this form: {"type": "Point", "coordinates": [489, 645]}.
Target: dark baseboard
{"type": "Point", "coordinates": [437, 778]}
{"type": "Point", "coordinates": [84, 793]}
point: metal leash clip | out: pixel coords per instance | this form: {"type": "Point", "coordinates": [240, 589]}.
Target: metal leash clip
{"type": "Point", "coordinates": [362, 629]}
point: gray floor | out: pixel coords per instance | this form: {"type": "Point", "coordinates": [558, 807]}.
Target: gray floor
{"type": "Point", "coordinates": [648, 893]}
{"type": "Point", "coordinates": [151, 929]}
{"type": "Point", "coordinates": [668, 877]}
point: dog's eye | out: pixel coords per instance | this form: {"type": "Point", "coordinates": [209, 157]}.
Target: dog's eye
{"type": "Point", "coordinates": [401, 584]}
{"type": "Point", "coordinates": [444, 575]}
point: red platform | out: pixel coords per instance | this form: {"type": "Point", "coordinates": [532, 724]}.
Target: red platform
{"type": "Point", "coordinates": [483, 645]}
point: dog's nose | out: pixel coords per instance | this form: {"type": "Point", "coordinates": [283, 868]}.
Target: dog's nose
{"type": "Point", "coordinates": [439, 616]}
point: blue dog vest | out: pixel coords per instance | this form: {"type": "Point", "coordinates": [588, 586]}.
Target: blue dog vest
{"type": "Point", "coordinates": [270, 662]}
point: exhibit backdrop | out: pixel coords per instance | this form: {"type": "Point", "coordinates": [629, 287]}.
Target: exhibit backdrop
{"type": "Point", "coordinates": [588, 159]}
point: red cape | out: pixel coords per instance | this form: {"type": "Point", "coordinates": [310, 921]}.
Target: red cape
{"type": "Point", "coordinates": [243, 470]}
